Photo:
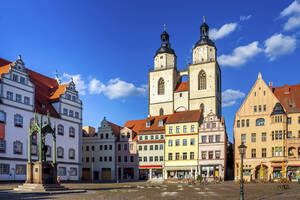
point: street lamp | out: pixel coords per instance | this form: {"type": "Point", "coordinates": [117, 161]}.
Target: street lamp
{"type": "Point", "coordinates": [242, 150]}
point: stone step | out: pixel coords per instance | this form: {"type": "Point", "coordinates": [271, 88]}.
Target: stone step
{"type": "Point", "coordinates": [39, 187]}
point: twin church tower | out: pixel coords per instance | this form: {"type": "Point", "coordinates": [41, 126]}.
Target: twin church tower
{"type": "Point", "coordinates": [169, 94]}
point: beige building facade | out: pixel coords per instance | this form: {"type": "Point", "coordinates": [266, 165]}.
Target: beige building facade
{"type": "Point", "coordinates": [268, 124]}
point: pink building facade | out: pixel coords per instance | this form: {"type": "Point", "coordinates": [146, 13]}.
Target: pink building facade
{"type": "Point", "coordinates": [126, 155]}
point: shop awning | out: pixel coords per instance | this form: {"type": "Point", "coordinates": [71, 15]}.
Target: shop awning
{"type": "Point", "coordinates": [150, 166]}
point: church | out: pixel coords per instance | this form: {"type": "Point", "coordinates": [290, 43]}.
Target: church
{"type": "Point", "coordinates": [169, 94]}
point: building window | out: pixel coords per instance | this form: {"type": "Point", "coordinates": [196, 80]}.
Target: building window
{"type": "Point", "coordinates": [156, 158]}
{"type": "Point", "coordinates": [289, 134]}
{"type": "Point", "coordinates": [184, 128]}
{"type": "Point", "coordinates": [15, 77]}
{"type": "Point", "coordinates": [263, 152]}
{"type": "Point", "coordinates": [65, 111]}
{"type": "Point", "coordinates": [210, 155]}
{"type": "Point", "coordinates": [71, 113]}
{"type": "Point", "coordinates": [161, 147]}
{"type": "Point", "coordinates": [125, 147]}
{"type": "Point", "coordinates": [4, 168]}
{"type": "Point", "coordinates": [105, 159]}
{"type": "Point", "coordinates": [93, 148]}
{"type": "Point", "coordinates": [77, 115]}
{"type": "Point", "coordinates": [260, 122]}
{"type": "Point", "coordinates": [184, 156]}
{"type": "Point", "coordinates": [60, 129]}
{"type": "Point", "coordinates": [18, 147]}
{"type": "Point", "coordinates": [247, 122]}
{"type": "Point", "coordinates": [243, 123]}
{"type": "Point", "coordinates": [19, 98]}
{"type": "Point", "coordinates": [140, 148]}
{"type": "Point", "coordinates": [184, 142]}
{"type": "Point", "coordinates": [201, 80]}
{"type": "Point", "coordinates": [156, 137]}
{"type": "Point", "coordinates": [151, 148]}
{"type": "Point", "coordinates": [264, 137]}
{"type": "Point", "coordinates": [145, 159]}
{"type": "Point", "coordinates": [2, 146]}
{"type": "Point", "coordinates": [177, 129]}
{"type": "Point", "coordinates": [18, 120]}
{"type": "Point", "coordinates": [2, 117]}
{"type": "Point", "coordinates": [62, 171]}
{"type": "Point", "coordinates": [26, 100]}
{"type": "Point", "coordinates": [161, 158]}
{"type": "Point", "coordinates": [192, 156]}
{"type": "Point", "coordinates": [238, 123]}
{"type": "Point", "coordinates": [87, 159]}
{"type": "Point", "coordinates": [156, 147]}
{"type": "Point", "coordinates": [148, 124]}
{"type": "Point", "coordinates": [140, 159]}
{"type": "Point", "coordinates": [203, 139]}
{"type": "Point", "coordinates": [170, 129]}
{"type": "Point", "coordinates": [298, 120]}
{"type": "Point", "coordinates": [243, 138]}
{"type": "Point", "coordinates": [71, 154]}
{"type": "Point", "coordinates": [177, 142]}
{"type": "Point", "coordinates": [203, 155]}
{"type": "Point", "coordinates": [152, 137]}
{"type": "Point", "coordinates": [106, 136]}
{"type": "Point", "coordinates": [131, 159]}
{"type": "Point", "coordinates": [110, 147]}
{"type": "Point", "coordinates": [20, 169]}
{"type": "Point", "coordinates": [217, 154]}
{"type": "Point", "coordinates": [170, 156]}
{"type": "Point", "coordinates": [192, 128]}
{"type": "Point", "coordinates": [259, 108]}
{"type": "Point", "coordinates": [253, 153]}
{"type": "Point", "coordinates": [289, 120]}
{"type": "Point", "coordinates": [161, 111]}
{"type": "Point", "coordinates": [125, 158]}
{"type": "Point", "coordinates": [208, 125]}
{"type": "Point", "coordinates": [119, 147]}
{"type": "Point", "coordinates": [119, 159]}
{"type": "Point", "coordinates": [72, 132]}
{"type": "Point", "coordinates": [100, 147]}
{"type": "Point", "coordinates": [253, 137]}
{"type": "Point", "coordinates": [218, 138]}
{"type": "Point", "coordinates": [211, 139]}
{"type": "Point", "coordinates": [141, 138]}
{"type": "Point", "coordinates": [9, 95]}
{"type": "Point", "coordinates": [146, 137]}
{"type": "Point", "coordinates": [170, 143]}
{"type": "Point", "coordinates": [60, 152]}
{"type": "Point", "coordinates": [73, 171]}
{"type": "Point", "coordinates": [265, 108]}
{"type": "Point", "coordinates": [177, 156]}
{"type": "Point", "coordinates": [255, 108]}
{"type": "Point", "coordinates": [145, 148]}
{"type": "Point", "coordinates": [161, 86]}
{"type": "Point", "coordinates": [48, 153]}
{"type": "Point", "coordinates": [192, 141]}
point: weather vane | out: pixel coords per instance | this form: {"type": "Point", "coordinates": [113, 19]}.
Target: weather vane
{"type": "Point", "coordinates": [165, 27]}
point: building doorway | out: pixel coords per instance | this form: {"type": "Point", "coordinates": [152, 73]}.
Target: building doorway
{"type": "Point", "coordinates": [106, 174]}
{"type": "Point", "coordinates": [96, 175]}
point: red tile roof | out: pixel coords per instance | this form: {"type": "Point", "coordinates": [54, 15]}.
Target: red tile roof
{"type": "Point", "coordinates": [289, 97]}
{"type": "Point", "coordinates": [183, 86]}
{"type": "Point", "coordinates": [47, 90]}
{"type": "Point", "coordinates": [115, 128]}
{"type": "Point", "coordinates": [184, 116]}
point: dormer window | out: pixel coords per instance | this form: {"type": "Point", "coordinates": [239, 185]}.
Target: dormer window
{"type": "Point", "coordinates": [160, 122]}
{"type": "Point", "coordinates": [148, 124]}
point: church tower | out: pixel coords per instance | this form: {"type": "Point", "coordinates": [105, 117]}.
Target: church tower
{"type": "Point", "coordinates": [205, 75]}
{"type": "Point", "coordinates": [163, 79]}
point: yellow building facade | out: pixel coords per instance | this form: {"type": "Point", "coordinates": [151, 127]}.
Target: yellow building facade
{"type": "Point", "coordinates": [268, 124]}
{"type": "Point", "coordinates": [181, 145]}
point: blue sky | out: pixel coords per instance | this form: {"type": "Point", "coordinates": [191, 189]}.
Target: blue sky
{"type": "Point", "coordinates": [108, 46]}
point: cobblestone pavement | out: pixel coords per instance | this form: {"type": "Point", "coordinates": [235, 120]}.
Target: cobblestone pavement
{"type": "Point", "coordinates": [143, 190]}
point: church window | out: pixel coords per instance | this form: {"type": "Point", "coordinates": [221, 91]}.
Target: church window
{"type": "Point", "coordinates": [161, 111]}
{"type": "Point", "coordinates": [202, 80]}
{"type": "Point", "coordinates": [161, 86]}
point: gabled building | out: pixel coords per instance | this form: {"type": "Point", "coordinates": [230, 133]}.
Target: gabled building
{"type": "Point", "coordinates": [268, 124]}
{"type": "Point", "coordinates": [24, 92]}
{"type": "Point", "coordinates": [99, 153]}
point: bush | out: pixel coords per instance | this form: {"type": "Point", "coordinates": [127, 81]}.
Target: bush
{"type": "Point", "coordinates": [199, 178]}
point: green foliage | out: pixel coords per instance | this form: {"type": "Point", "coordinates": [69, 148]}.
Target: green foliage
{"type": "Point", "coordinates": [199, 178]}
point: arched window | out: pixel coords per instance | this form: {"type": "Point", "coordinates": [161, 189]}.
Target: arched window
{"type": "Point", "coordinates": [202, 80]}
{"type": "Point", "coordinates": [72, 132]}
{"type": "Point", "coordinates": [161, 111]}
{"type": "Point", "coordinates": [18, 147]}
{"type": "Point", "coordinates": [260, 122]}
{"type": "Point", "coordinates": [161, 86]}
{"type": "Point", "coordinates": [60, 152]}
{"type": "Point", "coordinates": [2, 117]}
{"type": "Point", "coordinates": [71, 154]}
{"type": "Point", "coordinates": [60, 129]}
{"type": "Point", "coordinates": [18, 120]}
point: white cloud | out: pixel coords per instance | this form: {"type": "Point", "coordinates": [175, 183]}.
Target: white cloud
{"type": "Point", "coordinates": [240, 55]}
{"type": "Point", "coordinates": [96, 87]}
{"type": "Point", "coordinates": [225, 30]}
{"type": "Point", "coordinates": [244, 18]}
{"type": "Point", "coordinates": [293, 10]}
{"type": "Point", "coordinates": [230, 97]}
{"type": "Point", "coordinates": [116, 88]}
{"type": "Point", "coordinates": [79, 83]}
{"type": "Point", "coordinates": [278, 45]}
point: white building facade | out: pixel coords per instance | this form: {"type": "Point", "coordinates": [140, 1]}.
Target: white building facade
{"type": "Point", "coordinates": [24, 92]}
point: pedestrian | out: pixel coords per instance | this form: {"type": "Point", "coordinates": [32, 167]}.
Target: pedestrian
{"type": "Point", "coordinates": [58, 180]}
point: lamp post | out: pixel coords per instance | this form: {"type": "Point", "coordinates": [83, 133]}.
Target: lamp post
{"type": "Point", "coordinates": [242, 150]}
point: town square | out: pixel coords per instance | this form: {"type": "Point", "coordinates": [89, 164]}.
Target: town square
{"type": "Point", "coordinates": [149, 99]}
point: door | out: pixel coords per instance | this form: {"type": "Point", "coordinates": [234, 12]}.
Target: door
{"type": "Point", "coordinates": [96, 175]}
{"type": "Point", "coordinates": [106, 174]}
{"type": "Point", "coordinates": [86, 174]}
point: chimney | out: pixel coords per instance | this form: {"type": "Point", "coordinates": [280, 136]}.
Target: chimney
{"type": "Point", "coordinates": [270, 84]}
